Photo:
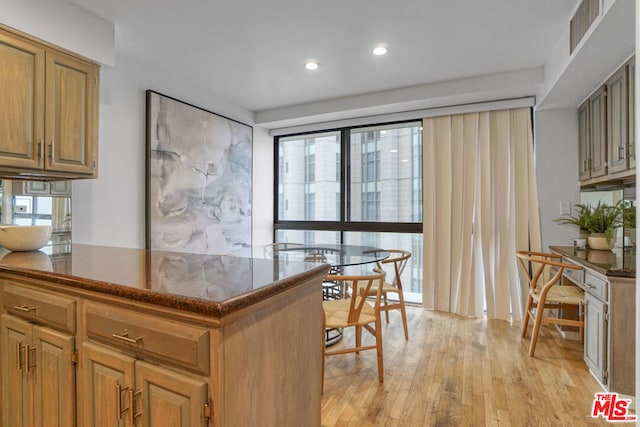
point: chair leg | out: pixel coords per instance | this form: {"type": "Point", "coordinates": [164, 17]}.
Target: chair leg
{"type": "Point", "coordinates": [386, 309]}
{"type": "Point", "coordinates": [536, 327]}
{"type": "Point", "coordinates": [525, 321]}
{"type": "Point", "coordinates": [379, 349]}
{"type": "Point", "coordinates": [581, 317]}
{"type": "Point", "coordinates": [358, 337]}
{"type": "Point", "coordinates": [403, 311]}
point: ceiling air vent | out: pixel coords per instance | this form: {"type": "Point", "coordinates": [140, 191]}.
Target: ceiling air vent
{"type": "Point", "coordinates": [587, 12]}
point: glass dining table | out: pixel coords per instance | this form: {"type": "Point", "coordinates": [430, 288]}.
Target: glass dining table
{"type": "Point", "coordinates": [342, 258]}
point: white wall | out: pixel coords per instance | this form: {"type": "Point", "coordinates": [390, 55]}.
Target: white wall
{"type": "Point", "coordinates": [111, 209]}
{"type": "Point", "coordinates": [556, 153]}
{"type": "Point", "coordinates": [63, 24]}
{"type": "Point", "coordinates": [263, 179]}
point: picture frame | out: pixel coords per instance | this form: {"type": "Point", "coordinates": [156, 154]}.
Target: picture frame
{"type": "Point", "coordinates": [198, 178]}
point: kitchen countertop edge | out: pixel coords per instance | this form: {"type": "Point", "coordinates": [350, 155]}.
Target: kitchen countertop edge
{"type": "Point", "coordinates": [568, 251]}
{"type": "Point", "coordinates": [184, 303]}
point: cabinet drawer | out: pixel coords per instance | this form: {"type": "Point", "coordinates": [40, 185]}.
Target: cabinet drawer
{"type": "Point", "coordinates": [149, 337]}
{"type": "Point", "coordinates": [575, 276]}
{"type": "Point", "coordinates": [596, 285]}
{"type": "Point", "coordinates": [44, 307]}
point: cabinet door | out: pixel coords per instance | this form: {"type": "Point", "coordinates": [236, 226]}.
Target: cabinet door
{"type": "Point", "coordinates": [632, 113]}
{"type": "Point", "coordinates": [21, 102]}
{"type": "Point", "coordinates": [16, 398]}
{"type": "Point", "coordinates": [106, 378]}
{"type": "Point", "coordinates": [71, 132]}
{"type": "Point", "coordinates": [617, 121]}
{"type": "Point", "coordinates": [60, 188]}
{"type": "Point", "coordinates": [168, 398]}
{"type": "Point", "coordinates": [598, 133]}
{"type": "Point", "coordinates": [584, 148]}
{"type": "Point", "coordinates": [595, 339]}
{"type": "Point", "coordinates": [54, 387]}
{"type": "Point", "coordinates": [35, 188]}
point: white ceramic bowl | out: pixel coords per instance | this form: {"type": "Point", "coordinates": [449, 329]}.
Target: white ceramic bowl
{"type": "Point", "coordinates": [24, 237]}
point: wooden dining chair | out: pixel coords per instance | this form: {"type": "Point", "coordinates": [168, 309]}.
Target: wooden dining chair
{"type": "Point", "coordinates": [270, 248]}
{"type": "Point", "coordinates": [397, 261]}
{"type": "Point", "coordinates": [549, 294]}
{"type": "Point", "coordinates": [356, 311]}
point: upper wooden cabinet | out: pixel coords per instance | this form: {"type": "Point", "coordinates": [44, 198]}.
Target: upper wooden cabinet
{"type": "Point", "coordinates": [605, 130]}
{"type": "Point", "coordinates": [48, 111]}
{"type": "Point", "coordinates": [617, 124]}
{"type": "Point", "coordinates": [592, 136]}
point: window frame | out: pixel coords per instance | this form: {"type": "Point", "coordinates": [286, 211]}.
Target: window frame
{"type": "Point", "coordinates": [344, 223]}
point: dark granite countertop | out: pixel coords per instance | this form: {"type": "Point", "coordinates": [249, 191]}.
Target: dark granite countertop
{"type": "Point", "coordinates": [617, 262]}
{"type": "Point", "coordinates": [205, 284]}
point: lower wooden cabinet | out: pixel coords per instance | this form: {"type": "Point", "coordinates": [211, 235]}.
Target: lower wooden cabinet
{"type": "Point", "coordinates": [119, 390]}
{"type": "Point", "coordinates": [74, 357]}
{"type": "Point", "coordinates": [595, 338]}
{"type": "Point", "coordinates": [38, 375]}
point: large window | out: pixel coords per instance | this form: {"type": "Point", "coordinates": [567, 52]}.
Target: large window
{"type": "Point", "coordinates": [360, 185]}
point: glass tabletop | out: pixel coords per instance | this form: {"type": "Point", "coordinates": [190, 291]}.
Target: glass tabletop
{"type": "Point", "coordinates": [337, 255]}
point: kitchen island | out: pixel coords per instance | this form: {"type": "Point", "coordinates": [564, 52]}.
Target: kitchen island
{"type": "Point", "coordinates": [96, 335]}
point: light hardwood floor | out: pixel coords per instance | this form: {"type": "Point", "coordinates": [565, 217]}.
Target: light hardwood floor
{"type": "Point", "coordinates": [456, 371]}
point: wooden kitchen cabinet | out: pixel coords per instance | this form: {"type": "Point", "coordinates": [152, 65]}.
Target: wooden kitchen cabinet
{"type": "Point", "coordinates": [584, 143]}
{"type": "Point", "coordinates": [617, 126]}
{"type": "Point", "coordinates": [48, 110]}
{"type": "Point", "coordinates": [595, 337]}
{"type": "Point", "coordinates": [592, 136]}
{"type": "Point", "coordinates": [38, 386]}
{"type": "Point", "coordinates": [119, 390]}
{"type": "Point", "coordinates": [609, 333]}
{"type": "Point", "coordinates": [606, 140]}
{"type": "Point", "coordinates": [138, 354]}
{"type": "Point", "coordinates": [598, 133]}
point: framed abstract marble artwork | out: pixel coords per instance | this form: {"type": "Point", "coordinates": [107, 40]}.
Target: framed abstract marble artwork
{"type": "Point", "coordinates": [198, 179]}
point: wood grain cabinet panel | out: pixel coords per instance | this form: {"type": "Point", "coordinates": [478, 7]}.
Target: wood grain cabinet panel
{"type": "Point", "coordinates": [48, 110]}
{"type": "Point", "coordinates": [175, 343]}
{"type": "Point", "coordinates": [42, 307]}
{"type": "Point", "coordinates": [38, 375]}
{"type": "Point", "coordinates": [617, 121]}
{"type": "Point", "coordinates": [598, 133]}
{"type": "Point", "coordinates": [71, 115]}
{"type": "Point", "coordinates": [22, 78]}
{"type": "Point", "coordinates": [584, 142]}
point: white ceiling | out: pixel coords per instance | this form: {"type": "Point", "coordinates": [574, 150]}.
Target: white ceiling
{"type": "Point", "coordinates": [253, 52]}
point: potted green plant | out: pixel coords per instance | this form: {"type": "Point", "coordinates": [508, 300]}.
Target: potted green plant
{"type": "Point", "coordinates": [581, 218]}
{"type": "Point", "coordinates": [629, 223]}
{"type": "Point", "coordinates": [605, 219]}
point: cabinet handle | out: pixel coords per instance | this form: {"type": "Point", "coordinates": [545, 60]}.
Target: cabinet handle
{"type": "Point", "coordinates": [51, 150]}
{"type": "Point", "coordinates": [621, 152]}
{"type": "Point", "coordinates": [40, 149]}
{"type": "Point", "coordinates": [19, 356]}
{"type": "Point", "coordinates": [27, 363]}
{"type": "Point", "coordinates": [132, 405]}
{"type": "Point", "coordinates": [126, 338]}
{"type": "Point", "coordinates": [119, 390]}
{"type": "Point", "coordinates": [24, 308]}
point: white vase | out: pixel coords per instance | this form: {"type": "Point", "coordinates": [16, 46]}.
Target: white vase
{"type": "Point", "coordinates": [598, 241]}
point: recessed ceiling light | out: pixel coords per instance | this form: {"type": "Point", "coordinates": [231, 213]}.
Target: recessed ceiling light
{"type": "Point", "coordinates": [311, 65]}
{"type": "Point", "coordinates": [380, 50]}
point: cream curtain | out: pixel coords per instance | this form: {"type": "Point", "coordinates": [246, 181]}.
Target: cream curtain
{"type": "Point", "coordinates": [480, 206]}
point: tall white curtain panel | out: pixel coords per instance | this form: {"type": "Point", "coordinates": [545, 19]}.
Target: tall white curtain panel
{"type": "Point", "coordinates": [480, 206]}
